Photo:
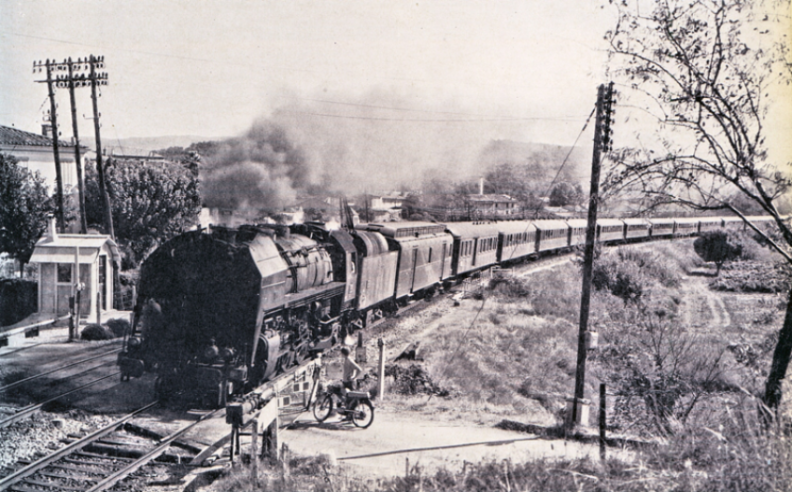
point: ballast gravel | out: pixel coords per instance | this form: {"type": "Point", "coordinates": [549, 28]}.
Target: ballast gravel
{"type": "Point", "coordinates": [42, 432]}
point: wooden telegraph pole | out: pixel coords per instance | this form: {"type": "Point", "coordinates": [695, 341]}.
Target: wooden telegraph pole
{"type": "Point", "coordinates": [78, 162]}
{"type": "Point", "coordinates": [602, 142]}
{"type": "Point", "coordinates": [100, 79]}
{"type": "Point", "coordinates": [55, 149]}
{"type": "Point", "coordinates": [70, 81]}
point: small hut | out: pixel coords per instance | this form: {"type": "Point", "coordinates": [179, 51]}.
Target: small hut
{"type": "Point", "coordinates": [66, 258]}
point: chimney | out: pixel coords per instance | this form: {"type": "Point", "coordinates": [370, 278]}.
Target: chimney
{"type": "Point", "coordinates": [52, 230]}
{"type": "Point", "coordinates": [481, 186]}
{"type": "Point", "coordinates": [46, 130]}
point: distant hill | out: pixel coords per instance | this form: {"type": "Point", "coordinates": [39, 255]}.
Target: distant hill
{"type": "Point", "coordinates": [542, 160]}
{"type": "Point", "coordinates": [143, 145]}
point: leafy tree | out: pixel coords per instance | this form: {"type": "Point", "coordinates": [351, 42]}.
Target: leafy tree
{"type": "Point", "coordinates": [704, 69]}
{"type": "Point", "coordinates": [718, 247]}
{"type": "Point", "coordinates": [24, 206]}
{"type": "Point", "coordinates": [152, 202]}
{"type": "Point", "coordinates": [566, 193]}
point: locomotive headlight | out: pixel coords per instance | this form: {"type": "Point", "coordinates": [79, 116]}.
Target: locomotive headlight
{"type": "Point", "coordinates": [134, 342]}
{"type": "Point", "coordinates": [238, 374]}
{"type": "Point", "coordinates": [227, 353]}
{"type": "Point", "coordinates": [210, 353]}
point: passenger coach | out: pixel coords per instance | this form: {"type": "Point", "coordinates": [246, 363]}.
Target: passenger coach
{"type": "Point", "coordinates": [475, 245]}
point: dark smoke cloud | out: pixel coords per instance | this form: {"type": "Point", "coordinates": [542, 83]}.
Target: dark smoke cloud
{"type": "Point", "coordinates": [377, 143]}
{"type": "Point", "coordinates": [260, 170]}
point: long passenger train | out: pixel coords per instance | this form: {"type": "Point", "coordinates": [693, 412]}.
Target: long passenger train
{"type": "Point", "coordinates": [222, 310]}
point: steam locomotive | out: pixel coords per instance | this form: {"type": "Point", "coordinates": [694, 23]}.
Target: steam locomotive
{"type": "Point", "coordinates": [221, 310]}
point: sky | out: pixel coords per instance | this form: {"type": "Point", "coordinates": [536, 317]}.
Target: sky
{"type": "Point", "coordinates": [372, 92]}
{"type": "Point", "coordinates": [529, 69]}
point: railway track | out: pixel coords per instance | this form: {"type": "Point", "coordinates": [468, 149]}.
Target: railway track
{"type": "Point", "coordinates": [60, 368]}
{"type": "Point", "coordinates": [99, 460]}
{"type": "Point", "coordinates": [30, 409]}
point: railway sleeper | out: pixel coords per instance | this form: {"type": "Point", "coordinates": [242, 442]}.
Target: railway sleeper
{"type": "Point", "coordinates": [77, 474]}
{"type": "Point", "coordinates": [111, 452]}
{"type": "Point", "coordinates": [52, 485]}
{"type": "Point", "coordinates": [143, 432]}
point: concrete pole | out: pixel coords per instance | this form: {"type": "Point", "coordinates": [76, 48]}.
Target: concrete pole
{"type": "Point", "coordinates": [381, 370]}
{"type": "Point", "coordinates": [254, 452]}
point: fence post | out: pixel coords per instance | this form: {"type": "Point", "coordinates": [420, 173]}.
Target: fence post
{"type": "Point", "coordinates": [381, 370]}
{"type": "Point", "coordinates": [254, 452]}
{"type": "Point", "coordinates": [602, 422]}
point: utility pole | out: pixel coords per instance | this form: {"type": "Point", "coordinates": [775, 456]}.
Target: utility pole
{"type": "Point", "coordinates": [70, 81]}
{"type": "Point", "coordinates": [602, 142]}
{"type": "Point", "coordinates": [55, 143]}
{"type": "Point", "coordinates": [97, 79]}
{"type": "Point", "coordinates": [78, 162]}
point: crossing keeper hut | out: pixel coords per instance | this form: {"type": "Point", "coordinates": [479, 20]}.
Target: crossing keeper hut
{"type": "Point", "coordinates": [66, 258]}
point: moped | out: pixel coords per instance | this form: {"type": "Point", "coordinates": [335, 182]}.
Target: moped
{"type": "Point", "coordinates": [355, 405]}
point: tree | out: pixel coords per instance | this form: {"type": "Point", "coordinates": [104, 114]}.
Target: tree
{"type": "Point", "coordinates": [24, 207]}
{"type": "Point", "coordinates": [152, 202]}
{"type": "Point", "coordinates": [718, 247]}
{"type": "Point", "coordinates": [566, 193]}
{"type": "Point", "coordinates": [704, 69]}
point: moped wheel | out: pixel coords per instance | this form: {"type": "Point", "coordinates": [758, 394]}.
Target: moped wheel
{"type": "Point", "coordinates": [322, 408]}
{"type": "Point", "coordinates": [362, 412]}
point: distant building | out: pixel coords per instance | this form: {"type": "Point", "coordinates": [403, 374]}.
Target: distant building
{"type": "Point", "coordinates": [493, 206]}
{"type": "Point", "coordinates": [34, 151]}
{"type": "Point", "coordinates": [386, 202]}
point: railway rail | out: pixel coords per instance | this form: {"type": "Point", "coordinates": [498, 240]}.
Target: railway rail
{"type": "Point", "coordinates": [100, 459]}
{"type": "Point", "coordinates": [60, 368]}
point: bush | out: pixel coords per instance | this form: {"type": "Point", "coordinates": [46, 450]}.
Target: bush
{"type": "Point", "coordinates": [718, 247]}
{"type": "Point", "coordinates": [18, 300]}
{"type": "Point", "coordinates": [118, 327]}
{"type": "Point", "coordinates": [96, 332]}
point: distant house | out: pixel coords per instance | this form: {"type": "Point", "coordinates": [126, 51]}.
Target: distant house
{"type": "Point", "coordinates": [493, 206]}
{"type": "Point", "coordinates": [34, 151]}
{"type": "Point", "coordinates": [386, 202]}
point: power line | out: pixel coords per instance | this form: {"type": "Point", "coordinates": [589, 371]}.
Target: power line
{"type": "Point", "coordinates": [421, 120]}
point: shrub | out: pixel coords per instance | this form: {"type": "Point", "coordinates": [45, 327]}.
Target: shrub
{"type": "Point", "coordinates": [718, 247]}
{"type": "Point", "coordinates": [119, 327]}
{"type": "Point", "coordinates": [18, 300]}
{"type": "Point", "coordinates": [96, 332]}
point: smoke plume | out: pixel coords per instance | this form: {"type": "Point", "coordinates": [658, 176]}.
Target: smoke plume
{"type": "Point", "coordinates": [378, 143]}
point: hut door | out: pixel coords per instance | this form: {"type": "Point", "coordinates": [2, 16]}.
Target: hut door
{"type": "Point", "coordinates": [103, 280]}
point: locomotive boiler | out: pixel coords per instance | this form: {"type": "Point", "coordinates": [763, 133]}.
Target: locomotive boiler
{"type": "Point", "coordinates": [223, 309]}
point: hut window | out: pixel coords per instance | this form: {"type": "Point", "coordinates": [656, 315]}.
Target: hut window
{"type": "Point", "coordinates": [64, 273]}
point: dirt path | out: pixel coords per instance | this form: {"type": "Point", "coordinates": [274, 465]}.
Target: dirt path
{"type": "Point", "coordinates": [702, 308]}
{"type": "Point", "coordinates": [381, 450]}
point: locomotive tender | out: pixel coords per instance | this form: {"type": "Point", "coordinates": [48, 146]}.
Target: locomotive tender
{"type": "Point", "coordinates": [219, 311]}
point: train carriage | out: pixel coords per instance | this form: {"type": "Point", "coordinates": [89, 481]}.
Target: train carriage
{"type": "Point", "coordinates": [732, 223]}
{"type": "Point", "coordinates": [661, 227]}
{"type": "Point", "coordinates": [377, 269]}
{"type": "Point", "coordinates": [610, 230]}
{"type": "Point", "coordinates": [551, 235]}
{"type": "Point", "coordinates": [686, 227]}
{"type": "Point", "coordinates": [760, 221]}
{"type": "Point", "coordinates": [710, 224]}
{"type": "Point", "coordinates": [636, 229]}
{"type": "Point", "coordinates": [424, 254]}
{"type": "Point", "coordinates": [516, 240]}
{"type": "Point", "coordinates": [475, 245]}
{"type": "Point", "coordinates": [577, 231]}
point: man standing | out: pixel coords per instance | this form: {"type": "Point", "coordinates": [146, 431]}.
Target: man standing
{"type": "Point", "coordinates": [351, 370]}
